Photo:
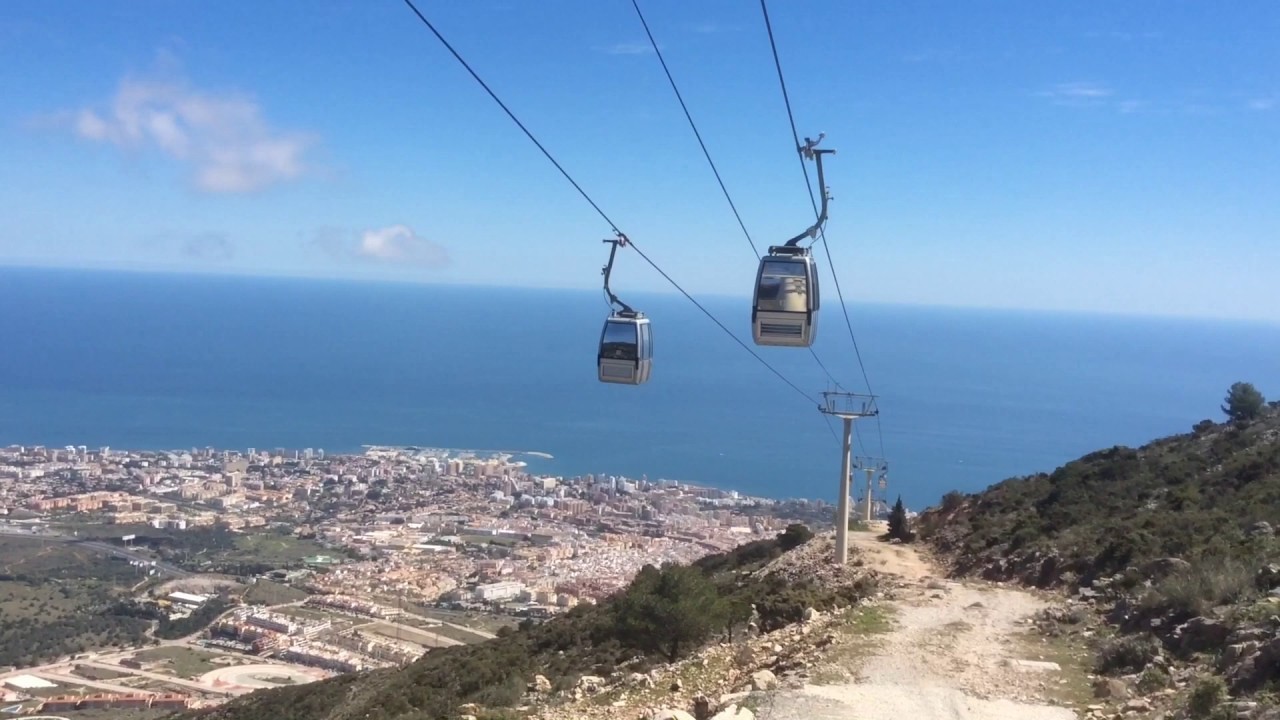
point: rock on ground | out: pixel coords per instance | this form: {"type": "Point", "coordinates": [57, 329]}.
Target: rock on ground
{"type": "Point", "coordinates": [763, 680]}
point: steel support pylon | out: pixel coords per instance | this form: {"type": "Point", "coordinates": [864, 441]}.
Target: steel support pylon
{"type": "Point", "coordinates": [842, 517]}
{"type": "Point", "coordinates": [848, 407]}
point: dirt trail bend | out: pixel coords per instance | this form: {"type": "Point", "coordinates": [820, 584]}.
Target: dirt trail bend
{"type": "Point", "coordinates": [956, 651]}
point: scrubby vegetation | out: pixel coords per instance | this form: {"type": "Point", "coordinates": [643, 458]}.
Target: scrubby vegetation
{"type": "Point", "coordinates": [216, 550]}
{"type": "Point", "coordinates": [666, 613]}
{"type": "Point", "coordinates": [56, 599]}
{"type": "Point", "coordinates": [1200, 497]}
{"type": "Point", "coordinates": [1174, 542]}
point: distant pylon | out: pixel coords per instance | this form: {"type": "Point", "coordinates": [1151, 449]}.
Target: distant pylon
{"type": "Point", "coordinates": [873, 467]}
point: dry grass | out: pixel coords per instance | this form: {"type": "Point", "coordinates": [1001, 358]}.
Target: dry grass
{"type": "Point", "coordinates": [1074, 655]}
{"type": "Point", "coordinates": [856, 640]}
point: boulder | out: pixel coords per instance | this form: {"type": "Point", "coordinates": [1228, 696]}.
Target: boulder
{"type": "Point", "coordinates": [640, 680]}
{"type": "Point", "coordinates": [811, 614]}
{"type": "Point", "coordinates": [1233, 654]}
{"type": "Point", "coordinates": [1268, 577]}
{"type": "Point", "coordinates": [733, 712]}
{"type": "Point", "coordinates": [670, 714]}
{"type": "Point", "coordinates": [1110, 688]}
{"type": "Point", "coordinates": [589, 684]}
{"type": "Point", "coordinates": [1262, 528]}
{"type": "Point", "coordinates": [1200, 633]}
{"type": "Point", "coordinates": [540, 684]}
{"type": "Point", "coordinates": [1257, 669]}
{"type": "Point", "coordinates": [1162, 567]}
{"type": "Point", "coordinates": [763, 680]}
{"type": "Point", "coordinates": [1137, 705]}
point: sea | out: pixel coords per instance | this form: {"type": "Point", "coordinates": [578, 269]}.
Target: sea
{"type": "Point", "coordinates": [966, 397]}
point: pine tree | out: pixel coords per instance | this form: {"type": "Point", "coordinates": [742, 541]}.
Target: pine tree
{"type": "Point", "coordinates": [899, 527]}
{"type": "Point", "coordinates": [671, 610]}
{"type": "Point", "coordinates": [1244, 402]}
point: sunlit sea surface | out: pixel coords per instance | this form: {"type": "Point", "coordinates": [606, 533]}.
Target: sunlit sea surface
{"type": "Point", "coordinates": [967, 397]}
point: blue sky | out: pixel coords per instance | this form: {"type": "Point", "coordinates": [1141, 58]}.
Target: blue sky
{"type": "Point", "coordinates": [1117, 157]}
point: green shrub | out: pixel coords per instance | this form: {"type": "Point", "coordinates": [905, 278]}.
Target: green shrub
{"type": "Point", "coordinates": [1129, 654]}
{"type": "Point", "coordinates": [794, 536]}
{"type": "Point", "coordinates": [1208, 694]}
{"type": "Point", "coordinates": [1207, 584]}
{"type": "Point", "coordinates": [952, 501]}
{"type": "Point", "coordinates": [1153, 679]}
{"type": "Point", "coordinates": [671, 611]}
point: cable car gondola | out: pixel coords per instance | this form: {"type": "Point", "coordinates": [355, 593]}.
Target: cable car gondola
{"type": "Point", "coordinates": [786, 299]}
{"type": "Point", "coordinates": [785, 308]}
{"type": "Point", "coordinates": [626, 342]}
{"type": "Point", "coordinates": [626, 349]}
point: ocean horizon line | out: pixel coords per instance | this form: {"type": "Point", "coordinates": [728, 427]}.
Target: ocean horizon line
{"type": "Point", "coordinates": [348, 280]}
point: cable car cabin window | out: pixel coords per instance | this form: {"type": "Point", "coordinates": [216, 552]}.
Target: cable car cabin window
{"type": "Point", "coordinates": [784, 287]}
{"type": "Point", "coordinates": [619, 341]}
{"type": "Point", "coordinates": [646, 342]}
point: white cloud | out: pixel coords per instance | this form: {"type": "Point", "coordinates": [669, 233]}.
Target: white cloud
{"type": "Point", "coordinates": [1076, 93]}
{"type": "Point", "coordinates": [629, 49]}
{"type": "Point", "coordinates": [222, 136]}
{"type": "Point", "coordinates": [392, 245]}
{"type": "Point", "coordinates": [1262, 103]}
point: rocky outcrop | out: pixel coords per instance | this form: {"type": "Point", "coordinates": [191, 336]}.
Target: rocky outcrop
{"type": "Point", "coordinates": [1200, 634]}
{"type": "Point", "coordinates": [540, 684]}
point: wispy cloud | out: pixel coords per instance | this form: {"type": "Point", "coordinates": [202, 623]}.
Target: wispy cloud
{"type": "Point", "coordinates": [633, 48]}
{"type": "Point", "coordinates": [208, 246]}
{"type": "Point", "coordinates": [222, 136]}
{"type": "Point", "coordinates": [212, 247]}
{"type": "Point", "coordinates": [1124, 35]}
{"type": "Point", "coordinates": [1077, 93]}
{"type": "Point", "coordinates": [392, 245]}
{"type": "Point", "coordinates": [1263, 103]}
{"type": "Point", "coordinates": [1128, 107]}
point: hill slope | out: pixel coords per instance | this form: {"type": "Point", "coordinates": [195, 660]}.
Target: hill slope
{"type": "Point", "coordinates": [1175, 541]}
{"type": "Point", "coordinates": [664, 615]}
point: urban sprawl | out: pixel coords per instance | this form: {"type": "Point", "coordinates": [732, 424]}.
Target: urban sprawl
{"type": "Point", "coordinates": [404, 532]}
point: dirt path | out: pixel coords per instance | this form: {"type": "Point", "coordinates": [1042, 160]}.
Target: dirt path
{"type": "Point", "coordinates": [956, 651]}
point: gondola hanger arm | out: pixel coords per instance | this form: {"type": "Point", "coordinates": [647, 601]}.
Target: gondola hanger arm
{"type": "Point", "coordinates": [607, 270]}
{"type": "Point", "coordinates": [811, 151]}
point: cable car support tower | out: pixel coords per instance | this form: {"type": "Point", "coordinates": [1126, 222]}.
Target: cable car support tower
{"type": "Point", "coordinates": [873, 467]}
{"type": "Point", "coordinates": [848, 407]}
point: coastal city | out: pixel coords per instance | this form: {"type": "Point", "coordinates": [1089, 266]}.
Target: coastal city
{"type": "Point", "coordinates": [268, 567]}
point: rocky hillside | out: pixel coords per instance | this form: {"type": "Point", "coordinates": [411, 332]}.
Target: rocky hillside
{"type": "Point", "coordinates": [1174, 542]}
{"type": "Point", "coordinates": [635, 645]}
